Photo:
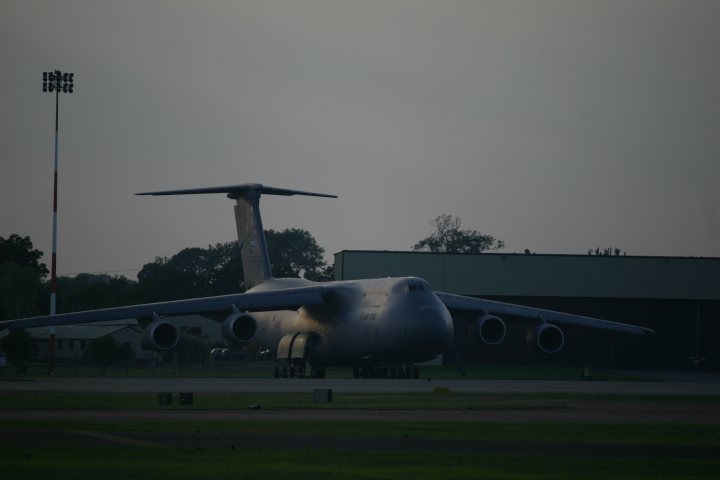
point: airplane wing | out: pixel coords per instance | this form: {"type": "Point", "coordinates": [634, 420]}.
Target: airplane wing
{"type": "Point", "coordinates": [461, 303]}
{"type": "Point", "coordinates": [284, 299]}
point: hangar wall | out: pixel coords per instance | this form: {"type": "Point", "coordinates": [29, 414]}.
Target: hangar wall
{"type": "Point", "coordinates": [678, 297]}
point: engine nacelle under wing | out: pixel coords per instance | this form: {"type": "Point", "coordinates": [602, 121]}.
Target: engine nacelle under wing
{"type": "Point", "coordinates": [546, 338]}
{"type": "Point", "coordinates": [160, 336]}
{"type": "Point", "coordinates": [488, 330]}
{"type": "Point", "coordinates": [239, 328]}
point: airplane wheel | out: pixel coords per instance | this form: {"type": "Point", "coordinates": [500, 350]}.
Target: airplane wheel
{"type": "Point", "coordinates": [276, 372]}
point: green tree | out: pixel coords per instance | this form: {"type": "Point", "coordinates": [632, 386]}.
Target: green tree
{"type": "Point", "coordinates": [217, 269]}
{"type": "Point", "coordinates": [450, 238]}
{"type": "Point", "coordinates": [21, 274]}
{"type": "Point", "coordinates": [20, 250]}
{"type": "Point", "coordinates": [105, 351]}
{"type": "Point", "coordinates": [192, 272]}
{"type": "Point", "coordinates": [19, 287]}
{"type": "Point", "coordinates": [327, 274]}
{"type": "Point", "coordinates": [228, 273]}
{"type": "Point", "coordinates": [295, 253]}
{"type": "Point", "coordinates": [18, 346]}
{"type": "Point", "coordinates": [87, 291]}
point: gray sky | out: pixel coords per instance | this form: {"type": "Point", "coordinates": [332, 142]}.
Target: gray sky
{"type": "Point", "coordinates": [554, 125]}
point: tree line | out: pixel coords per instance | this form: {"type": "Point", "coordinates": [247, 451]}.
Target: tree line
{"type": "Point", "coordinates": [195, 271]}
{"type": "Point", "coordinates": [192, 272]}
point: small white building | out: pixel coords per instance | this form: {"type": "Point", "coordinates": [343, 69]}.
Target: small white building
{"type": "Point", "coordinates": [72, 340]}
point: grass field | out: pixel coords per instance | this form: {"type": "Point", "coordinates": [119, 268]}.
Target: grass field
{"type": "Point", "coordinates": [124, 462]}
{"type": "Point", "coordinates": [120, 461]}
{"type": "Point", "coordinates": [605, 434]}
{"type": "Point", "coordinates": [351, 449]}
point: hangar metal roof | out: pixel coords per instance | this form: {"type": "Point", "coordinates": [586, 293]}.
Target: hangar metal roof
{"type": "Point", "coordinates": [542, 275]}
{"type": "Point", "coordinates": [88, 331]}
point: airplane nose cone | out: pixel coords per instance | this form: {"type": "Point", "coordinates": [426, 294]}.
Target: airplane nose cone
{"type": "Point", "coordinates": [436, 325]}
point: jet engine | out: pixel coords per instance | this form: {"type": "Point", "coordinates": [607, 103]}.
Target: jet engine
{"type": "Point", "coordinates": [546, 338]}
{"type": "Point", "coordinates": [239, 328]}
{"type": "Point", "coordinates": [488, 330]}
{"type": "Point", "coordinates": [160, 336]}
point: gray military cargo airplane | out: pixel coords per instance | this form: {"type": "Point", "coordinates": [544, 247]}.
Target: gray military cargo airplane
{"type": "Point", "coordinates": [381, 327]}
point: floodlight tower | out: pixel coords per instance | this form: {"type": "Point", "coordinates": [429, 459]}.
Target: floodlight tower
{"type": "Point", "coordinates": [56, 82]}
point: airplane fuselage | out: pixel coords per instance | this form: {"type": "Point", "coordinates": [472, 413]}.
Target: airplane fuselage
{"type": "Point", "coordinates": [379, 321]}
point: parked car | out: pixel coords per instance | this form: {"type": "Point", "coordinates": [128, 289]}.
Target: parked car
{"type": "Point", "coordinates": [226, 354]}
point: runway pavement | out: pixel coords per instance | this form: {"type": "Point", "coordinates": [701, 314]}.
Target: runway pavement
{"type": "Point", "coordinates": [341, 385]}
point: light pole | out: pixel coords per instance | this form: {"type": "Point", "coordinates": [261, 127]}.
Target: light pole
{"type": "Point", "coordinates": [57, 82]}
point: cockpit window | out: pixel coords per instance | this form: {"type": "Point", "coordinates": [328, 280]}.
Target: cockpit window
{"type": "Point", "coordinates": [416, 287]}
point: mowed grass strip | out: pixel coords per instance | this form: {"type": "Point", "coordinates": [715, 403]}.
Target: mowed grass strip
{"type": "Point", "coordinates": [273, 401]}
{"type": "Point", "coordinates": [123, 462]}
{"type": "Point", "coordinates": [300, 401]}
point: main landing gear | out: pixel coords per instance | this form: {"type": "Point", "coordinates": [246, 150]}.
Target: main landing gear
{"type": "Point", "coordinates": [387, 372]}
{"type": "Point", "coordinates": [299, 371]}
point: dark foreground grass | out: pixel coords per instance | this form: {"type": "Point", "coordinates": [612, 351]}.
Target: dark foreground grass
{"type": "Point", "coordinates": [123, 462]}
{"type": "Point", "coordinates": [37, 459]}
{"type": "Point", "coordinates": [596, 433]}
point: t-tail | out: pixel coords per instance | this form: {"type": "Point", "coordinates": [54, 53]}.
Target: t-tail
{"type": "Point", "coordinates": [251, 236]}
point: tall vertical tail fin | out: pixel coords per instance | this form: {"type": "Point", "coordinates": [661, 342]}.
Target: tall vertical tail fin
{"type": "Point", "coordinates": [251, 236]}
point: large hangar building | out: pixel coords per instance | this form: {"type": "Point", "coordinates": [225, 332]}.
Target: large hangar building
{"type": "Point", "coordinates": [678, 297]}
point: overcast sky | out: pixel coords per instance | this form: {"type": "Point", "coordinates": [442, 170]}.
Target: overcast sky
{"type": "Point", "coordinates": [557, 126]}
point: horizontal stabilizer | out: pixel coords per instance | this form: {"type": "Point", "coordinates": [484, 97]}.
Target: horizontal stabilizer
{"type": "Point", "coordinates": [235, 191]}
